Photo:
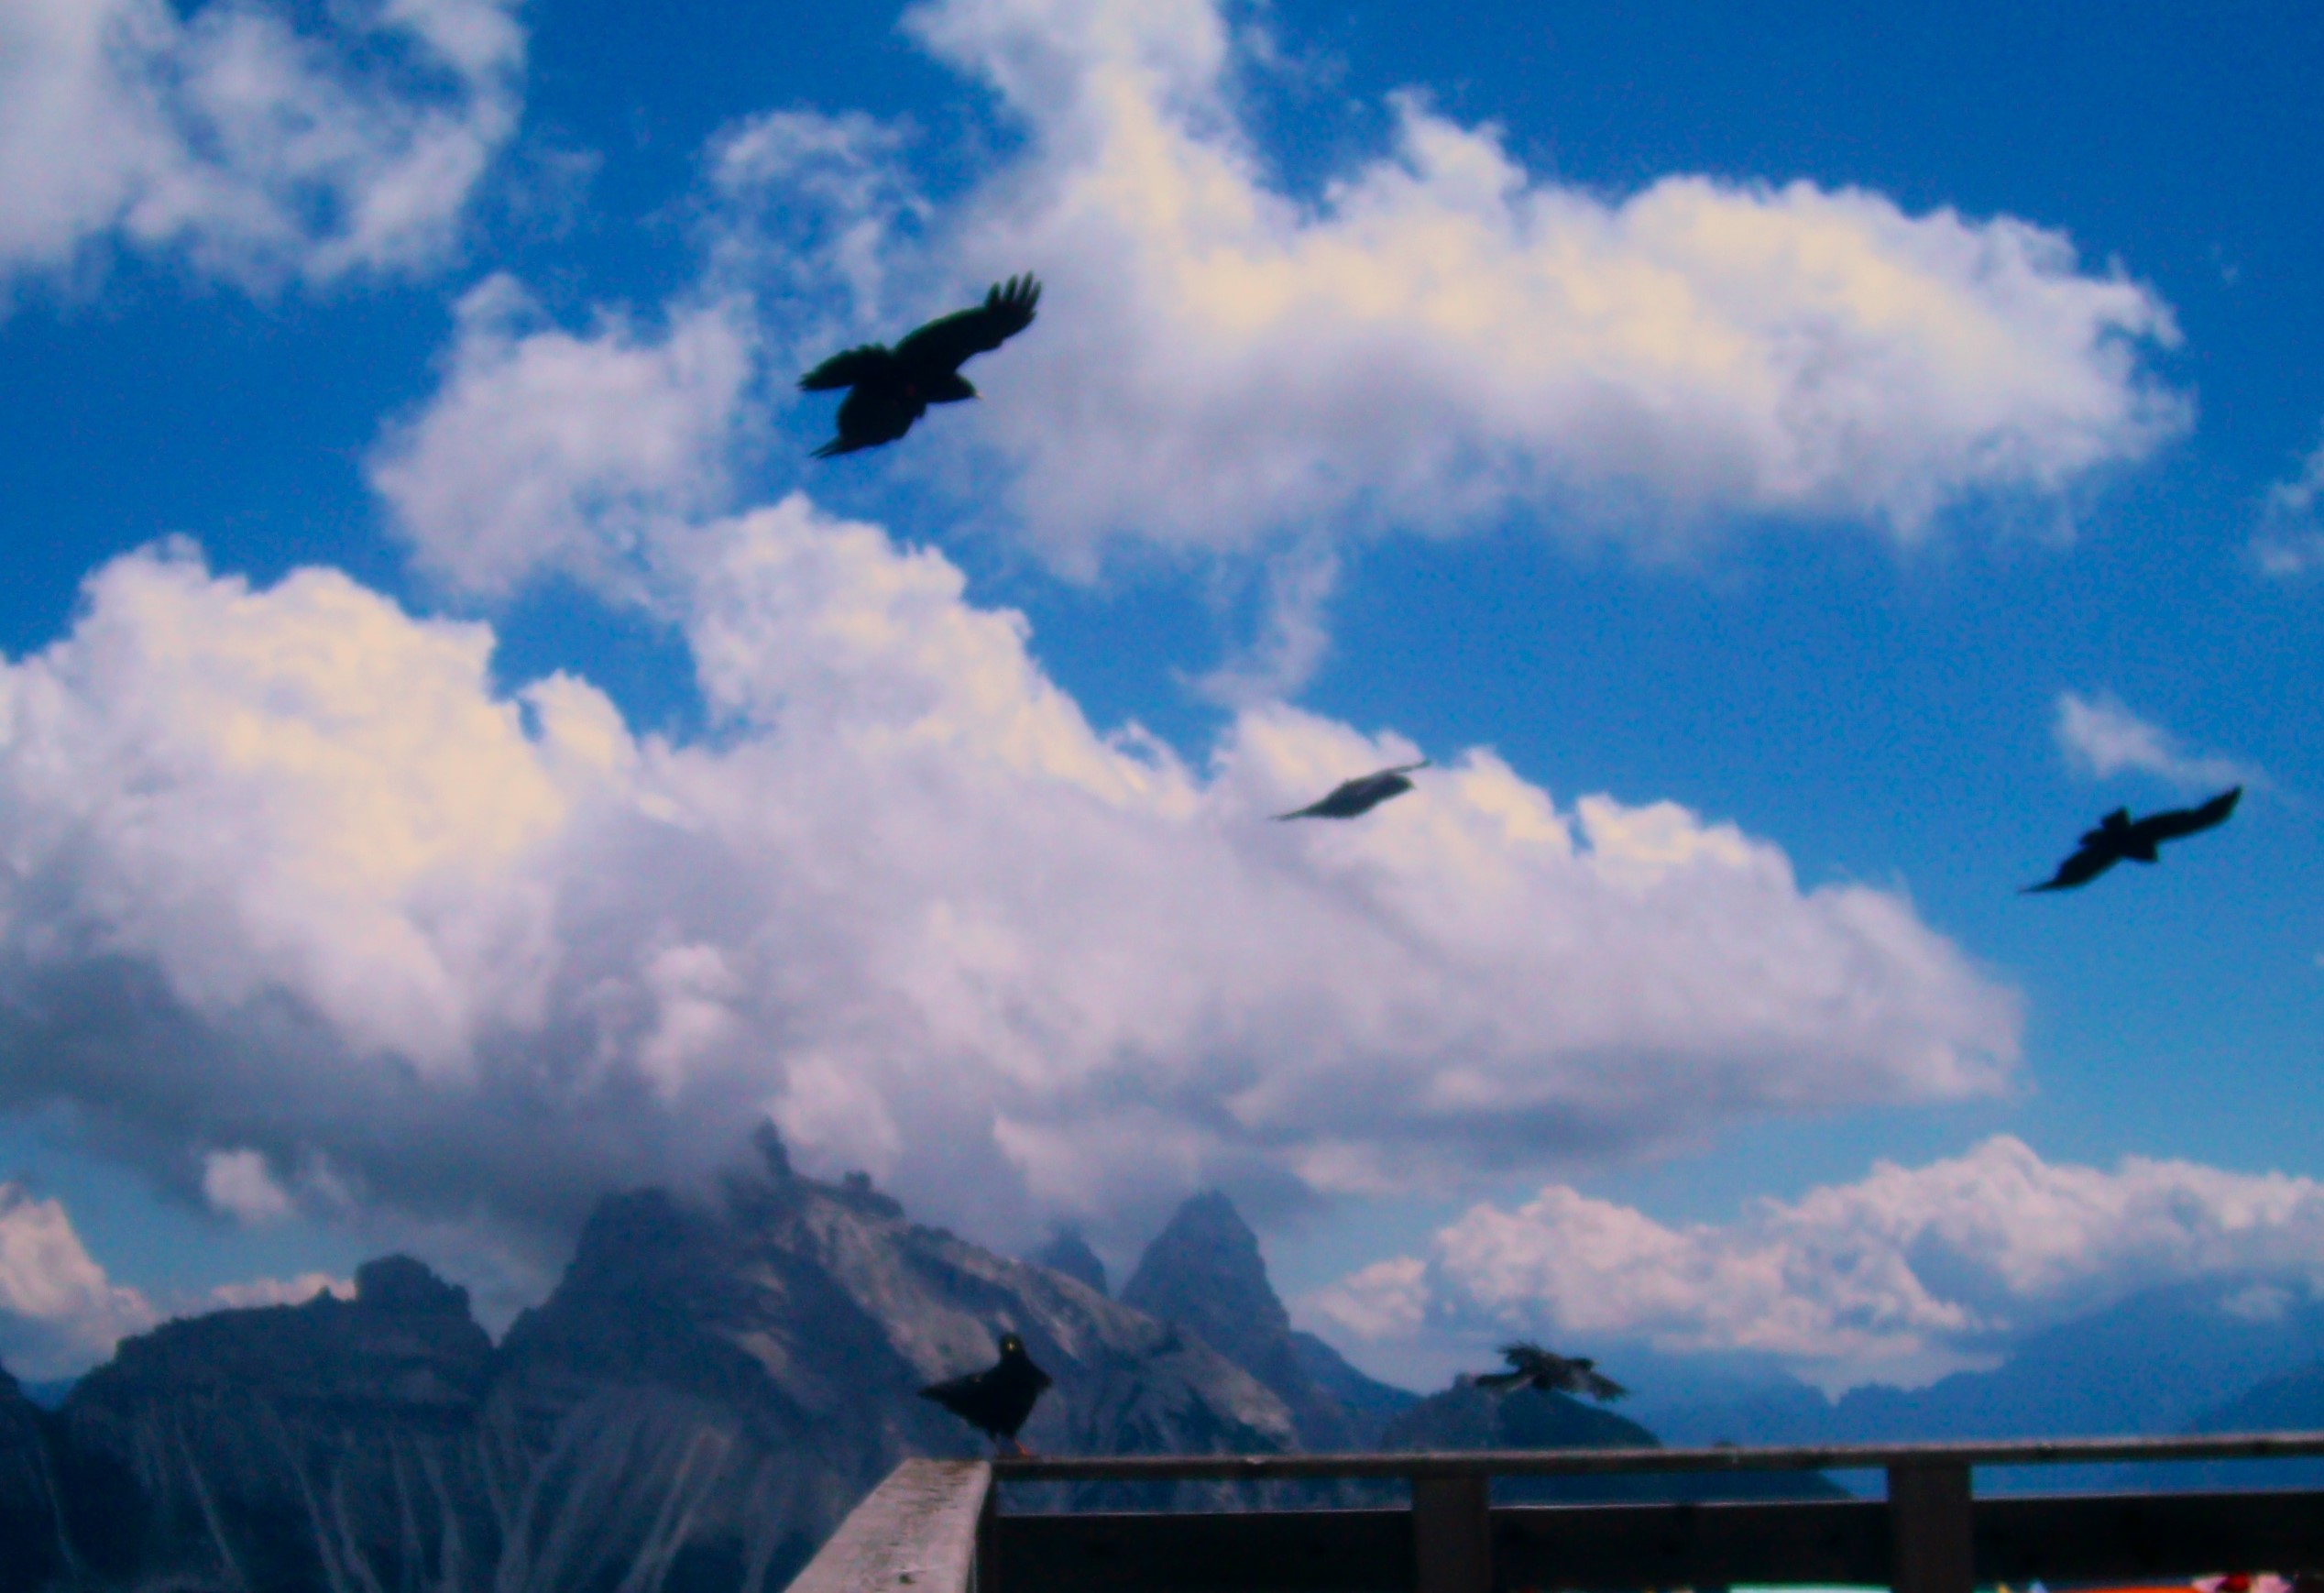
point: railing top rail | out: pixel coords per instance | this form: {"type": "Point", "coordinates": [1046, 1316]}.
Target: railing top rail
{"type": "Point", "coordinates": [1584, 1462]}
{"type": "Point", "coordinates": [914, 1533]}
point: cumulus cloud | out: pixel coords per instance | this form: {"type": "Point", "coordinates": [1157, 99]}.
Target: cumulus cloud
{"type": "Point", "coordinates": [263, 1292]}
{"type": "Point", "coordinates": [289, 885]}
{"type": "Point", "coordinates": [2101, 738]}
{"type": "Point", "coordinates": [547, 448]}
{"type": "Point", "coordinates": [237, 1182]}
{"type": "Point", "coordinates": [2291, 534]}
{"type": "Point", "coordinates": [1437, 340]}
{"type": "Point", "coordinates": [1908, 1264]}
{"type": "Point", "coordinates": [57, 1309]}
{"type": "Point", "coordinates": [1441, 337]}
{"type": "Point", "coordinates": [256, 149]}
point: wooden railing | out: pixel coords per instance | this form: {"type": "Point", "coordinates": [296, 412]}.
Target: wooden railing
{"type": "Point", "coordinates": [935, 1526]}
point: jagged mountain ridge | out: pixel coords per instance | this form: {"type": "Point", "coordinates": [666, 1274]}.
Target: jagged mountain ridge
{"type": "Point", "coordinates": [694, 1408]}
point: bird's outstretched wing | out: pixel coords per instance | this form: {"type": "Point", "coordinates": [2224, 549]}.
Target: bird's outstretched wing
{"type": "Point", "coordinates": [1501, 1381]}
{"type": "Point", "coordinates": [845, 369]}
{"type": "Point", "coordinates": [2177, 821]}
{"type": "Point", "coordinates": [944, 342]}
{"type": "Point", "coordinates": [2078, 870]}
{"type": "Point", "coordinates": [1598, 1386]}
{"type": "Point", "coordinates": [1352, 799]}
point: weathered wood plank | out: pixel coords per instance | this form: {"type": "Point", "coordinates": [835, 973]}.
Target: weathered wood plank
{"type": "Point", "coordinates": [2159, 1537]}
{"type": "Point", "coordinates": [916, 1533]}
{"type": "Point", "coordinates": [1352, 1551]}
{"type": "Point", "coordinates": [1691, 1546]}
{"type": "Point", "coordinates": [1452, 1536]}
{"type": "Point", "coordinates": [1932, 1530]}
{"type": "Point", "coordinates": [2089, 1538]}
{"type": "Point", "coordinates": [1722, 1457]}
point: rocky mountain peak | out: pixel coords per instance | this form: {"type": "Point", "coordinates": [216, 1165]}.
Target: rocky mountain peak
{"type": "Point", "coordinates": [1204, 1273]}
{"type": "Point", "coordinates": [399, 1283]}
{"type": "Point", "coordinates": [1204, 1269]}
{"type": "Point", "coordinates": [1069, 1253]}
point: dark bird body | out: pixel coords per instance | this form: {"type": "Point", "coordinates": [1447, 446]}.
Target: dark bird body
{"type": "Point", "coordinates": [996, 1401]}
{"type": "Point", "coordinates": [1530, 1366]}
{"type": "Point", "coordinates": [2120, 838]}
{"type": "Point", "coordinates": [1359, 795]}
{"type": "Point", "coordinates": [892, 388]}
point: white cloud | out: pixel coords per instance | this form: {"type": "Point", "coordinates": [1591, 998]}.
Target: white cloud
{"type": "Point", "coordinates": [1906, 1265]}
{"type": "Point", "coordinates": [2101, 738]}
{"type": "Point", "coordinates": [254, 148]}
{"type": "Point", "coordinates": [57, 1309]}
{"type": "Point", "coordinates": [263, 1292]}
{"type": "Point", "coordinates": [2290, 541]}
{"type": "Point", "coordinates": [286, 877]}
{"type": "Point", "coordinates": [1441, 337]}
{"type": "Point", "coordinates": [237, 1182]}
{"type": "Point", "coordinates": [547, 448]}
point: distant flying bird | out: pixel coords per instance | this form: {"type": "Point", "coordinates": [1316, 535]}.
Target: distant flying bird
{"type": "Point", "coordinates": [2118, 836]}
{"type": "Point", "coordinates": [1359, 795]}
{"type": "Point", "coordinates": [995, 1401]}
{"type": "Point", "coordinates": [1530, 1365]}
{"type": "Point", "coordinates": [895, 386]}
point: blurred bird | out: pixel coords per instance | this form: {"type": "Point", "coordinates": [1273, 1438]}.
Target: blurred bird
{"type": "Point", "coordinates": [895, 386]}
{"type": "Point", "coordinates": [1531, 1364]}
{"type": "Point", "coordinates": [2118, 836]}
{"type": "Point", "coordinates": [1359, 795]}
{"type": "Point", "coordinates": [997, 1400]}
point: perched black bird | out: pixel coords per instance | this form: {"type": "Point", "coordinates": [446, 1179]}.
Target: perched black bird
{"type": "Point", "coordinates": [895, 386]}
{"type": "Point", "coordinates": [1352, 797]}
{"type": "Point", "coordinates": [997, 1399]}
{"type": "Point", "coordinates": [2118, 836]}
{"type": "Point", "coordinates": [1531, 1365]}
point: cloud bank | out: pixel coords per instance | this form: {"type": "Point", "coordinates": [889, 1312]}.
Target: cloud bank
{"type": "Point", "coordinates": [255, 150]}
{"type": "Point", "coordinates": [1441, 337]}
{"type": "Point", "coordinates": [1953, 1258]}
{"type": "Point", "coordinates": [298, 909]}
{"type": "Point", "coordinates": [1437, 340]}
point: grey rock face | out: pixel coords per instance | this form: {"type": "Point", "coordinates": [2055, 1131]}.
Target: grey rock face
{"type": "Point", "coordinates": [1204, 1273]}
{"type": "Point", "coordinates": [32, 1553]}
{"type": "Point", "coordinates": [1370, 1404]}
{"type": "Point", "coordinates": [1068, 1253]}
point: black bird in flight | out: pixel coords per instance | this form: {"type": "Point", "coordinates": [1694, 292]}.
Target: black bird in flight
{"type": "Point", "coordinates": [2118, 836]}
{"type": "Point", "coordinates": [1531, 1365]}
{"type": "Point", "coordinates": [996, 1401]}
{"type": "Point", "coordinates": [895, 386]}
{"type": "Point", "coordinates": [1352, 797]}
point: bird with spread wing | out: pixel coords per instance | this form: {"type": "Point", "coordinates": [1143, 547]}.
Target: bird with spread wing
{"type": "Point", "coordinates": [2120, 838]}
{"type": "Point", "coordinates": [1350, 797]}
{"type": "Point", "coordinates": [996, 1401]}
{"type": "Point", "coordinates": [1530, 1366]}
{"type": "Point", "coordinates": [892, 388]}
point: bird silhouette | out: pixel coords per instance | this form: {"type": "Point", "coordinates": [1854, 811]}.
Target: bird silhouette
{"type": "Point", "coordinates": [2118, 836]}
{"type": "Point", "coordinates": [1530, 1366]}
{"type": "Point", "coordinates": [894, 387]}
{"type": "Point", "coordinates": [996, 1401]}
{"type": "Point", "coordinates": [1359, 795]}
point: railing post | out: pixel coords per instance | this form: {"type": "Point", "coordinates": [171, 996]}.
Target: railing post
{"type": "Point", "coordinates": [985, 1570]}
{"type": "Point", "coordinates": [1453, 1534]}
{"type": "Point", "coordinates": [1931, 1543]}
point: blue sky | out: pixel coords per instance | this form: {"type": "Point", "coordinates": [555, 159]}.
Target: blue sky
{"type": "Point", "coordinates": [1792, 472]}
